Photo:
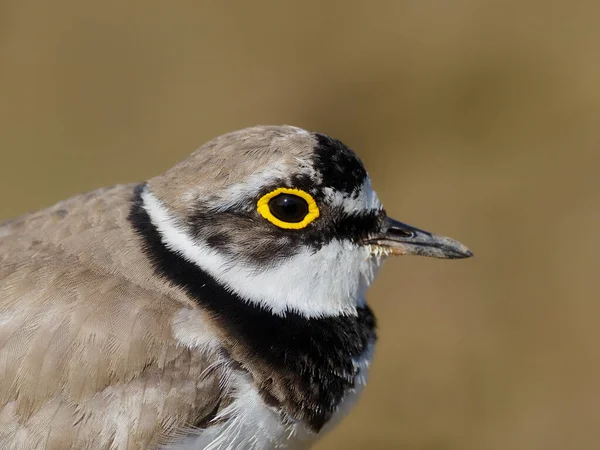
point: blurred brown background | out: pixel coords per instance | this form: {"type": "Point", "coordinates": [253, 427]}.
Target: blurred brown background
{"type": "Point", "coordinates": [476, 119]}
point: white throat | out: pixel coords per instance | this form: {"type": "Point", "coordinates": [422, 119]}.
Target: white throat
{"type": "Point", "coordinates": [331, 281]}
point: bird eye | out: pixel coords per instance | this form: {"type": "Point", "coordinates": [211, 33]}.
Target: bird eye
{"type": "Point", "coordinates": [288, 208]}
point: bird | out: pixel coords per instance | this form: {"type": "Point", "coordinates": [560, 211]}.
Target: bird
{"type": "Point", "coordinates": [219, 305]}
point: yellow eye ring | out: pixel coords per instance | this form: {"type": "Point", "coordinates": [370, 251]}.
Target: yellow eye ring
{"type": "Point", "coordinates": [265, 210]}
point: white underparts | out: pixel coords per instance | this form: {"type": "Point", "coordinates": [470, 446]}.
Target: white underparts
{"type": "Point", "coordinates": [331, 281]}
{"type": "Point", "coordinates": [246, 424]}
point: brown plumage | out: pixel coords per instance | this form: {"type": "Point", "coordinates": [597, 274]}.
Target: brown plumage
{"type": "Point", "coordinates": [85, 327]}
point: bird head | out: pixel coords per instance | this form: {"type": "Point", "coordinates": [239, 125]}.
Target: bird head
{"type": "Point", "coordinates": [284, 218]}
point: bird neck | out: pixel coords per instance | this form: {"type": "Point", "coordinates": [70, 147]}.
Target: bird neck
{"type": "Point", "coordinates": [319, 357]}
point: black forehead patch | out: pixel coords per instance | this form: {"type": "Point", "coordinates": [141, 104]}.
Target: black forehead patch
{"type": "Point", "coordinates": [341, 169]}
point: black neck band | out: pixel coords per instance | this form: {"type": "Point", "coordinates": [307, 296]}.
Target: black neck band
{"type": "Point", "coordinates": [315, 357]}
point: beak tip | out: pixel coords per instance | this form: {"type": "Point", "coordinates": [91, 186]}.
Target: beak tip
{"type": "Point", "coordinates": [468, 253]}
{"type": "Point", "coordinates": [463, 252]}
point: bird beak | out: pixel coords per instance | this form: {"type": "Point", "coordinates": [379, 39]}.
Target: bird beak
{"type": "Point", "coordinates": [397, 238]}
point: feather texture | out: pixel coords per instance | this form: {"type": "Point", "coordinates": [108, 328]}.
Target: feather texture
{"type": "Point", "coordinates": [88, 359]}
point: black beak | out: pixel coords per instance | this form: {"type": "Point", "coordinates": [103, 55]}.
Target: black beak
{"type": "Point", "coordinates": [397, 238]}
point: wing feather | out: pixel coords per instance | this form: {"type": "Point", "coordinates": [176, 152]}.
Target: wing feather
{"type": "Point", "coordinates": [87, 357]}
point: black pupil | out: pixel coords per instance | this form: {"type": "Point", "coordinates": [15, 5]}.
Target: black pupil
{"type": "Point", "coordinates": [289, 208]}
